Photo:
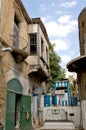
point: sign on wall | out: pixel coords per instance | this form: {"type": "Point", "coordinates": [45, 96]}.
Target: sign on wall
{"type": "Point", "coordinates": [59, 92]}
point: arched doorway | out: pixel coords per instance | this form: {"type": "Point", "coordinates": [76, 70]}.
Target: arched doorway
{"type": "Point", "coordinates": [18, 107]}
{"type": "Point", "coordinates": [14, 94]}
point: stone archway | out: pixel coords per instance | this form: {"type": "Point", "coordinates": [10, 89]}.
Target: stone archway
{"type": "Point", "coordinates": [18, 107]}
{"type": "Point", "coordinates": [14, 86]}
{"type": "Point", "coordinates": [14, 92]}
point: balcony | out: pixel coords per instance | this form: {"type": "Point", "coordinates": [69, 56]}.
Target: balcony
{"type": "Point", "coordinates": [78, 64]}
{"type": "Point", "coordinates": [38, 67]}
{"type": "Point", "coordinates": [19, 45]}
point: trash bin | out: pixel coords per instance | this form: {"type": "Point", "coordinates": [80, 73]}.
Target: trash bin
{"type": "Point", "coordinates": [1, 126]}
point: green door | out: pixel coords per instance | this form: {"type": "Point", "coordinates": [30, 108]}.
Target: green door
{"type": "Point", "coordinates": [14, 93]}
{"type": "Point", "coordinates": [10, 111]}
{"type": "Point", "coordinates": [25, 114]}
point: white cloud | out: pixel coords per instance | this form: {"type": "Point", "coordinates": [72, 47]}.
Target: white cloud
{"type": "Point", "coordinates": [46, 19]}
{"type": "Point", "coordinates": [74, 23]}
{"type": "Point", "coordinates": [64, 19]}
{"type": "Point", "coordinates": [62, 27]}
{"type": "Point", "coordinates": [65, 59]}
{"type": "Point", "coordinates": [68, 4]}
{"type": "Point", "coordinates": [54, 29]}
{"type": "Point", "coordinates": [60, 45]}
{"type": "Point", "coordinates": [59, 30]}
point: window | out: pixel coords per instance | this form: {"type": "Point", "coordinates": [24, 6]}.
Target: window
{"type": "Point", "coordinates": [42, 47]}
{"type": "Point", "coordinates": [82, 23]}
{"type": "Point", "coordinates": [46, 54]}
{"type": "Point", "coordinates": [33, 43]}
{"type": "Point", "coordinates": [16, 33]}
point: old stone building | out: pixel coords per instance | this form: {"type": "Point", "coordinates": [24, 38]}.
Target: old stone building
{"type": "Point", "coordinates": [24, 65]}
{"type": "Point", "coordinates": [78, 65]}
{"type": "Point", "coordinates": [38, 61]}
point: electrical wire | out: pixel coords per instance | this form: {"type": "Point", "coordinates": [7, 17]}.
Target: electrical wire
{"type": "Point", "coordinates": [75, 54]}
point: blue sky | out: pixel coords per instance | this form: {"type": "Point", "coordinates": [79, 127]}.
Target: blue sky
{"type": "Point", "coordinates": [60, 18]}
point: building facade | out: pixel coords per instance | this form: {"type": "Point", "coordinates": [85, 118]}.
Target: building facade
{"type": "Point", "coordinates": [24, 64]}
{"type": "Point", "coordinates": [62, 92]}
{"type": "Point", "coordinates": [38, 60]}
{"type": "Point", "coordinates": [78, 65]}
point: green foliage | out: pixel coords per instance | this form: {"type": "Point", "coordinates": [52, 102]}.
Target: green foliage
{"type": "Point", "coordinates": [73, 88]}
{"type": "Point", "coordinates": [56, 71]}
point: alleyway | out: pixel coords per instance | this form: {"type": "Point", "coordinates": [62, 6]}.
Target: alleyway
{"type": "Point", "coordinates": [55, 129]}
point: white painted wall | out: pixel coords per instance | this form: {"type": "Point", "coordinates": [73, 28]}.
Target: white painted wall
{"type": "Point", "coordinates": [83, 107]}
{"type": "Point", "coordinates": [70, 110]}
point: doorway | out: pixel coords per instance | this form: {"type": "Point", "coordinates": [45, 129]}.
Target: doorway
{"type": "Point", "coordinates": [13, 103]}
{"type": "Point", "coordinates": [18, 107]}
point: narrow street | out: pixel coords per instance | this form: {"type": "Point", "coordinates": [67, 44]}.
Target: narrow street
{"type": "Point", "coordinates": [56, 118]}
{"type": "Point", "coordinates": [56, 129]}
{"type": "Point", "coordinates": [37, 42]}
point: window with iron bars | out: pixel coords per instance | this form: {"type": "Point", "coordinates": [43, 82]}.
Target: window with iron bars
{"type": "Point", "coordinates": [33, 43]}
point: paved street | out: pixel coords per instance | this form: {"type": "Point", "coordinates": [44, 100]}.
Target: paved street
{"type": "Point", "coordinates": [53, 129]}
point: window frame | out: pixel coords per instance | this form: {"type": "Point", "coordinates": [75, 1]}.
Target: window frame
{"type": "Point", "coordinates": [16, 32]}
{"type": "Point", "coordinates": [33, 43]}
{"type": "Point", "coordinates": [42, 47]}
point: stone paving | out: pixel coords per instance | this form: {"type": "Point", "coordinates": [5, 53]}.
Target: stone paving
{"type": "Point", "coordinates": [40, 128]}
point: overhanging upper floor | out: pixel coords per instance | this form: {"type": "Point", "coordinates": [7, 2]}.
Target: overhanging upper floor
{"type": "Point", "coordinates": [78, 64]}
{"type": "Point", "coordinates": [38, 67]}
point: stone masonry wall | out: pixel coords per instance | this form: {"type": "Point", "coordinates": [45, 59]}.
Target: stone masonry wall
{"type": "Point", "coordinates": [8, 9]}
{"type": "Point", "coordinates": [3, 90]}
